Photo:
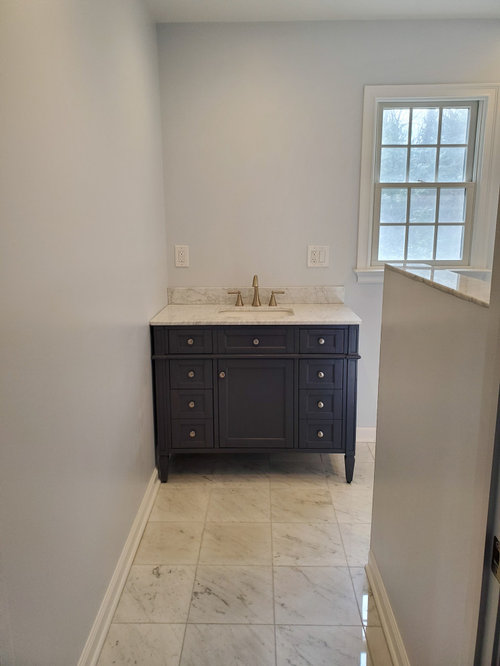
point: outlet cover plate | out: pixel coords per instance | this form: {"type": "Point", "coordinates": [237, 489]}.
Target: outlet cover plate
{"type": "Point", "coordinates": [318, 256]}
{"type": "Point", "coordinates": [182, 256]}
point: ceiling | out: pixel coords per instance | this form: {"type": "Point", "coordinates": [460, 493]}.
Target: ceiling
{"type": "Point", "coordinates": [201, 11]}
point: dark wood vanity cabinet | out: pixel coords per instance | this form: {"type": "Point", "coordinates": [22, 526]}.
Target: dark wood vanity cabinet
{"type": "Point", "coordinates": [254, 388]}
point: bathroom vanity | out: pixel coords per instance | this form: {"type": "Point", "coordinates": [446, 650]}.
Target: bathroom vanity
{"type": "Point", "coordinates": [229, 380]}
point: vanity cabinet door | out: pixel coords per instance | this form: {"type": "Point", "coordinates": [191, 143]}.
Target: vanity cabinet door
{"type": "Point", "coordinates": [255, 403]}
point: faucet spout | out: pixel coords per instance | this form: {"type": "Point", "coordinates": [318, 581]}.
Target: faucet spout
{"type": "Point", "coordinates": [256, 298]}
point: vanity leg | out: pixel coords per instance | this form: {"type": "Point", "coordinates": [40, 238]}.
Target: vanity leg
{"type": "Point", "coordinates": [349, 467]}
{"type": "Point", "coordinates": [163, 467]}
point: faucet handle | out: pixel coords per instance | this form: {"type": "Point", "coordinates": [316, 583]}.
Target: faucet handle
{"type": "Point", "coordinates": [272, 300]}
{"type": "Point", "coordinates": [239, 300]}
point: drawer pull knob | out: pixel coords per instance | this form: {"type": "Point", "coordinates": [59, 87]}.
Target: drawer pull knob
{"type": "Point", "coordinates": [321, 374]}
{"type": "Point", "coordinates": [191, 374]}
{"type": "Point", "coordinates": [320, 434]}
{"type": "Point", "coordinates": [190, 342]}
{"type": "Point", "coordinates": [321, 341]}
{"type": "Point", "coordinates": [321, 405]}
{"type": "Point", "coordinates": [191, 404]}
{"type": "Point", "coordinates": [192, 434]}
{"type": "Point", "coordinates": [256, 341]}
{"type": "Point", "coordinates": [222, 374]}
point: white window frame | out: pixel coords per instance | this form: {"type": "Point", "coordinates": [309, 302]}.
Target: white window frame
{"type": "Point", "coordinates": [487, 172]}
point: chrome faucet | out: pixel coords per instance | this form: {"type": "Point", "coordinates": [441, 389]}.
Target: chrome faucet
{"type": "Point", "coordinates": [255, 284]}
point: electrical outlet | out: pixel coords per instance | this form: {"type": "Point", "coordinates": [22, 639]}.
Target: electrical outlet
{"type": "Point", "coordinates": [182, 256]}
{"type": "Point", "coordinates": [318, 256]}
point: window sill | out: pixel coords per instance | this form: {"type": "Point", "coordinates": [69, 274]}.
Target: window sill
{"type": "Point", "coordinates": [376, 275]}
{"type": "Point", "coordinates": [369, 275]}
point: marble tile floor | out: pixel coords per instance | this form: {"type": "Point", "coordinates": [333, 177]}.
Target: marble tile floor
{"type": "Point", "coordinates": [253, 560]}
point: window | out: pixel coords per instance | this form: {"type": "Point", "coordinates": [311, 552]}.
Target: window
{"type": "Point", "coordinates": [426, 187]}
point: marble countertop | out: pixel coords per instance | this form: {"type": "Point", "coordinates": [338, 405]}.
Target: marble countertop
{"type": "Point", "coordinates": [315, 314]}
{"type": "Point", "coordinates": [467, 288]}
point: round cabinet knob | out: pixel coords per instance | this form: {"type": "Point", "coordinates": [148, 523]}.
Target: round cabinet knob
{"type": "Point", "coordinates": [191, 374]}
{"type": "Point", "coordinates": [190, 342]}
{"type": "Point", "coordinates": [320, 434]}
{"type": "Point", "coordinates": [321, 341]}
{"type": "Point", "coordinates": [321, 405]}
{"type": "Point", "coordinates": [256, 341]}
{"type": "Point", "coordinates": [321, 374]}
{"type": "Point", "coordinates": [222, 374]}
{"type": "Point", "coordinates": [192, 434]}
{"type": "Point", "coordinates": [191, 404]}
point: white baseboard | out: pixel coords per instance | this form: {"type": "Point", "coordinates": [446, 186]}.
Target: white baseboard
{"type": "Point", "coordinates": [387, 618]}
{"type": "Point", "coordinates": [100, 628]}
{"type": "Point", "coordinates": [366, 434]}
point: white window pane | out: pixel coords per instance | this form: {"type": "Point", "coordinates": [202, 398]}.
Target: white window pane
{"type": "Point", "coordinates": [449, 242]}
{"type": "Point", "coordinates": [420, 243]}
{"type": "Point", "coordinates": [391, 245]}
{"type": "Point", "coordinates": [424, 128]}
{"type": "Point", "coordinates": [454, 125]}
{"type": "Point", "coordinates": [451, 165]}
{"type": "Point", "coordinates": [393, 165]}
{"type": "Point", "coordinates": [393, 205]}
{"type": "Point", "coordinates": [395, 126]}
{"type": "Point", "coordinates": [452, 205]}
{"type": "Point", "coordinates": [422, 164]}
{"type": "Point", "coordinates": [423, 205]}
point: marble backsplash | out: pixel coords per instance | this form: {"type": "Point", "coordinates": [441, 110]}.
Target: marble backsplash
{"type": "Point", "coordinates": [219, 296]}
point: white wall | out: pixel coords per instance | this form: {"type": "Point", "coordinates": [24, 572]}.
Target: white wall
{"type": "Point", "coordinates": [83, 268]}
{"type": "Point", "coordinates": [262, 129]}
{"type": "Point", "coordinates": [439, 377]}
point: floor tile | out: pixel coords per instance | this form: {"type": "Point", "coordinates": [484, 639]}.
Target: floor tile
{"type": "Point", "coordinates": [320, 646]}
{"type": "Point", "coordinates": [356, 540]}
{"type": "Point", "coordinates": [156, 594]}
{"type": "Point", "coordinates": [305, 504]}
{"type": "Point", "coordinates": [232, 595]}
{"type": "Point", "coordinates": [176, 503]}
{"type": "Point", "coordinates": [236, 543]}
{"type": "Point", "coordinates": [294, 469]}
{"type": "Point", "coordinates": [144, 644]}
{"type": "Point", "coordinates": [364, 452]}
{"type": "Point", "coordinates": [377, 647]}
{"type": "Point", "coordinates": [170, 543]}
{"type": "Point", "coordinates": [353, 504]}
{"type": "Point", "coordinates": [334, 466]}
{"type": "Point", "coordinates": [308, 544]}
{"type": "Point", "coordinates": [242, 468]}
{"type": "Point", "coordinates": [362, 476]}
{"type": "Point", "coordinates": [364, 597]}
{"type": "Point", "coordinates": [228, 645]}
{"type": "Point", "coordinates": [371, 446]}
{"type": "Point", "coordinates": [245, 503]}
{"type": "Point", "coordinates": [191, 468]}
{"type": "Point", "coordinates": [315, 595]}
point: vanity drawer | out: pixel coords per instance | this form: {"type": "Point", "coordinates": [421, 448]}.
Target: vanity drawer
{"type": "Point", "coordinates": [320, 404]}
{"type": "Point", "coordinates": [190, 340]}
{"type": "Point", "coordinates": [190, 403]}
{"type": "Point", "coordinates": [188, 373]}
{"type": "Point", "coordinates": [192, 434]}
{"type": "Point", "coordinates": [323, 340]}
{"type": "Point", "coordinates": [256, 340]}
{"type": "Point", "coordinates": [321, 373]}
{"type": "Point", "coordinates": [320, 434]}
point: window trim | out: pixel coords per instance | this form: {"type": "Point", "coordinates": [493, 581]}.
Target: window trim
{"type": "Point", "coordinates": [488, 168]}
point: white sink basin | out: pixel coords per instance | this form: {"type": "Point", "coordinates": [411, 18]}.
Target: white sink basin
{"type": "Point", "coordinates": [263, 312]}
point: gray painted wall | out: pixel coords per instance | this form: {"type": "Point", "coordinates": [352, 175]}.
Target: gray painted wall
{"type": "Point", "coordinates": [83, 268]}
{"type": "Point", "coordinates": [262, 132]}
